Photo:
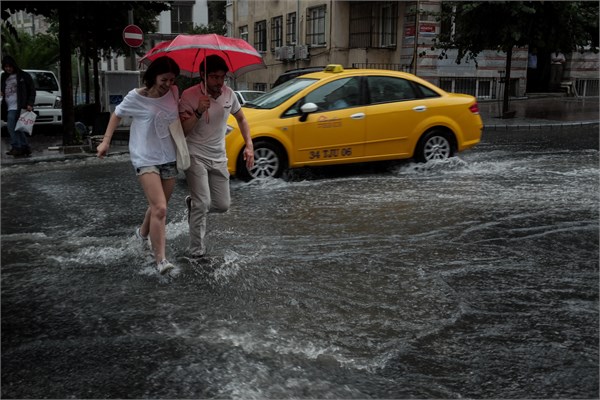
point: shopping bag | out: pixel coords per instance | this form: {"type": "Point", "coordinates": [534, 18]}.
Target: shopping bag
{"type": "Point", "coordinates": [183, 154]}
{"type": "Point", "coordinates": [26, 121]}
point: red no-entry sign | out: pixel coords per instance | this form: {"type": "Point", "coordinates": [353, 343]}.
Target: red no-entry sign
{"type": "Point", "coordinates": [133, 36]}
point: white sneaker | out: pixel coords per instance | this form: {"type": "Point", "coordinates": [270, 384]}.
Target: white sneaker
{"type": "Point", "coordinates": [164, 266]}
{"type": "Point", "coordinates": [145, 241]}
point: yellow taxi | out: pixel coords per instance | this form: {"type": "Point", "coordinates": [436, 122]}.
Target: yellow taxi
{"type": "Point", "coordinates": [340, 116]}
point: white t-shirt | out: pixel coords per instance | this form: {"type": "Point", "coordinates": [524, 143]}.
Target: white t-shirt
{"type": "Point", "coordinates": [207, 139]}
{"type": "Point", "coordinates": [150, 141]}
{"type": "Point", "coordinates": [557, 58]}
{"type": "Point", "coordinates": [10, 93]}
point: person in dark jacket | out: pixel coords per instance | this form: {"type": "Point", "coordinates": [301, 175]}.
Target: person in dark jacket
{"type": "Point", "coordinates": [18, 93]}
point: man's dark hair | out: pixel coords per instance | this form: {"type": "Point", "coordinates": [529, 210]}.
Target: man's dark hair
{"type": "Point", "coordinates": [161, 65]}
{"type": "Point", "coordinates": [213, 63]}
{"type": "Point", "coordinates": [8, 60]}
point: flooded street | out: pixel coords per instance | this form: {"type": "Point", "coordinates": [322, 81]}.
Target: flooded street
{"type": "Point", "coordinates": [472, 278]}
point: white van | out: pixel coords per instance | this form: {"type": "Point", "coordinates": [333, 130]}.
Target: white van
{"type": "Point", "coordinates": [48, 102]}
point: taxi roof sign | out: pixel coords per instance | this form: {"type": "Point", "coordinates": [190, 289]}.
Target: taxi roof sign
{"type": "Point", "coordinates": [335, 68]}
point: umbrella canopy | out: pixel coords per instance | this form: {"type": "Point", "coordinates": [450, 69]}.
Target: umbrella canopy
{"type": "Point", "coordinates": [188, 51]}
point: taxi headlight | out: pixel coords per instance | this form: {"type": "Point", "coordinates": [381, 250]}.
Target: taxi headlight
{"type": "Point", "coordinates": [229, 129]}
{"type": "Point", "coordinates": [57, 102]}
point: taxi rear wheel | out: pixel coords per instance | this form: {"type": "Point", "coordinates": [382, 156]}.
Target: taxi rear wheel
{"type": "Point", "coordinates": [269, 162]}
{"type": "Point", "coordinates": [434, 145]}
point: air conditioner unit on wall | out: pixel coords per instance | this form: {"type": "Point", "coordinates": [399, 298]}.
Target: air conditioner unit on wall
{"type": "Point", "coordinates": [301, 52]}
{"type": "Point", "coordinates": [284, 53]}
{"type": "Point", "coordinates": [289, 53]}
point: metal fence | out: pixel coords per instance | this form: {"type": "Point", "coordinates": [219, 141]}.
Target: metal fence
{"type": "Point", "coordinates": [482, 88]}
{"type": "Point", "coordinates": [587, 87]}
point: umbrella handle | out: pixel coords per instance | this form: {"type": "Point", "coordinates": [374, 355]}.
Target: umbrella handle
{"type": "Point", "coordinates": [203, 90]}
{"type": "Point", "coordinates": [206, 119]}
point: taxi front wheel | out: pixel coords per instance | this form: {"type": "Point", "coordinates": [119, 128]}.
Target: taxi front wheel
{"type": "Point", "coordinates": [269, 162]}
{"type": "Point", "coordinates": [434, 145]}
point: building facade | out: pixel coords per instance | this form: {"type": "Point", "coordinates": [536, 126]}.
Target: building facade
{"type": "Point", "coordinates": [394, 35]}
{"type": "Point", "coordinates": [29, 23]}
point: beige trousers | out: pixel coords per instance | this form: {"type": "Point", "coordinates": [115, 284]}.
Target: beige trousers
{"type": "Point", "coordinates": [208, 183]}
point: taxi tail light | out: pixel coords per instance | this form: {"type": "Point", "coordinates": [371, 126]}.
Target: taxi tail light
{"type": "Point", "coordinates": [474, 108]}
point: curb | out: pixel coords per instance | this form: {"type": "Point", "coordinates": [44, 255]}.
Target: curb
{"type": "Point", "coordinates": [541, 125]}
{"type": "Point", "coordinates": [57, 157]}
{"type": "Point", "coordinates": [67, 153]}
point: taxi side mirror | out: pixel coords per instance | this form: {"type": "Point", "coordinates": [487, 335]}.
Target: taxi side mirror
{"type": "Point", "coordinates": [306, 109]}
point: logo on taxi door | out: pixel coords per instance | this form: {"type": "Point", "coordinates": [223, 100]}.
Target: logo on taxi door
{"type": "Point", "coordinates": [324, 122]}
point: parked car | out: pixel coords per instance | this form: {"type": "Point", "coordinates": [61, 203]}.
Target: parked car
{"type": "Point", "coordinates": [388, 115]}
{"type": "Point", "coordinates": [293, 73]}
{"type": "Point", "coordinates": [48, 102]}
{"type": "Point", "coordinates": [245, 96]}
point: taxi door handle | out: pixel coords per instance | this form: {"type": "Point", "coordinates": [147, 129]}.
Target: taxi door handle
{"type": "Point", "coordinates": [360, 115]}
{"type": "Point", "coordinates": [420, 108]}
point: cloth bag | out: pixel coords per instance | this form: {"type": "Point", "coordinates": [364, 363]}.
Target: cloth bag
{"type": "Point", "coordinates": [26, 121]}
{"type": "Point", "coordinates": [183, 154]}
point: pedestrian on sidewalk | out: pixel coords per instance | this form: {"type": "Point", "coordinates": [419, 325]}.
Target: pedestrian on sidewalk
{"type": "Point", "coordinates": [557, 63]}
{"type": "Point", "coordinates": [151, 148]}
{"type": "Point", "coordinates": [204, 110]}
{"type": "Point", "coordinates": [532, 71]}
{"type": "Point", "coordinates": [18, 93]}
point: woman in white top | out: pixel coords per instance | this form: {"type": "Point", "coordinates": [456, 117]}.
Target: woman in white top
{"type": "Point", "coordinates": [151, 147]}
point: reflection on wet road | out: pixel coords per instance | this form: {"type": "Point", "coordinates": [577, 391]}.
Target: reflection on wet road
{"type": "Point", "coordinates": [476, 277]}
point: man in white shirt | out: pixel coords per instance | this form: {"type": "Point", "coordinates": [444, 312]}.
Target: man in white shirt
{"type": "Point", "coordinates": [557, 62]}
{"type": "Point", "coordinates": [532, 70]}
{"type": "Point", "coordinates": [18, 93]}
{"type": "Point", "coordinates": [204, 110]}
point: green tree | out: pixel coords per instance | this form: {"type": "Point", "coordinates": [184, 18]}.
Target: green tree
{"type": "Point", "coordinates": [216, 14]}
{"type": "Point", "coordinates": [94, 26]}
{"type": "Point", "coordinates": [39, 51]}
{"type": "Point", "coordinates": [95, 38]}
{"type": "Point", "coordinates": [505, 25]}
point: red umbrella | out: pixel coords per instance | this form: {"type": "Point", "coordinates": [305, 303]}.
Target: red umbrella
{"type": "Point", "coordinates": [158, 47]}
{"type": "Point", "coordinates": [188, 51]}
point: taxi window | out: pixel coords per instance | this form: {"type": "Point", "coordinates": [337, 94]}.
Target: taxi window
{"type": "Point", "coordinates": [385, 89]}
{"type": "Point", "coordinates": [336, 95]}
{"type": "Point", "coordinates": [341, 93]}
{"type": "Point", "coordinates": [427, 92]}
{"type": "Point", "coordinates": [280, 94]}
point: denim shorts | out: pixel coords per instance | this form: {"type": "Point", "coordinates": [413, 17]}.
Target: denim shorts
{"type": "Point", "coordinates": [166, 171]}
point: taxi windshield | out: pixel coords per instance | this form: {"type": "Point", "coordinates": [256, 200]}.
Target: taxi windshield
{"type": "Point", "coordinates": [280, 93]}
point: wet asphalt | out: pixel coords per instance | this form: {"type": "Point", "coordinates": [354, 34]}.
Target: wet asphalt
{"type": "Point", "coordinates": [547, 110]}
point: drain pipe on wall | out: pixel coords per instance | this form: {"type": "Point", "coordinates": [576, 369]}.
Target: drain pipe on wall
{"type": "Point", "coordinates": [417, 28]}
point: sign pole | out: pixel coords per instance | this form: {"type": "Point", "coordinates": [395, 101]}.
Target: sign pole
{"type": "Point", "coordinates": [134, 38]}
{"type": "Point", "coordinates": [131, 50]}
{"type": "Point", "coordinates": [417, 28]}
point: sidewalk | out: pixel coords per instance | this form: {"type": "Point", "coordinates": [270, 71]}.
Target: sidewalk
{"type": "Point", "coordinates": [531, 113]}
{"type": "Point", "coordinates": [539, 112]}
